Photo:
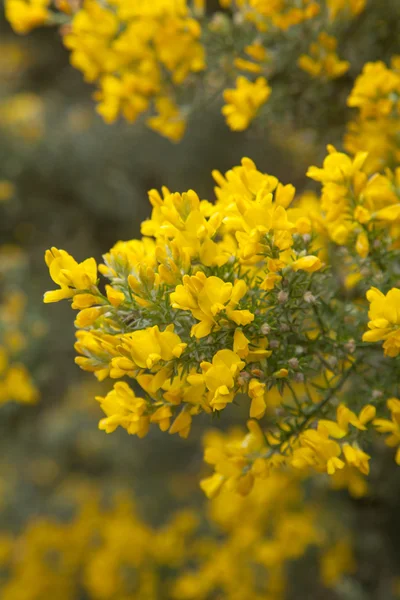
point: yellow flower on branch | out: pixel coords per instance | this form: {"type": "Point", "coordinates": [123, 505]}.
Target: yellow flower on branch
{"type": "Point", "coordinates": [206, 297]}
{"type": "Point", "coordinates": [384, 323]}
{"type": "Point", "coordinates": [69, 275]}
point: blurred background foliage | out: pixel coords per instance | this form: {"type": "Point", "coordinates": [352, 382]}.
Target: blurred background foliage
{"type": "Point", "coordinates": [68, 178]}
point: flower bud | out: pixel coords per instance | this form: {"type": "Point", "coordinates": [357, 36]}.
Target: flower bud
{"type": "Point", "coordinates": [309, 298]}
{"type": "Point", "coordinates": [265, 329]}
{"type": "Point", "coordinates": [274, 344]}
{"type": "Point", "coordinates": [283, 297]}
{"type": "Point", "coordinates": [293, 363]}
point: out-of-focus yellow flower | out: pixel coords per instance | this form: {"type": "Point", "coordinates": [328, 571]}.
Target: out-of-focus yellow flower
{"type": "Point", "coordinates": [25, 15]}
{"type": "Point", "coordinates": [7, 190]}
{"type": "Point", "coordinates": [307, 263]}
{"type": "Point", "coordinates": [336, 7]}
{"type": "Point", "coordinates": [322, 60]}
{"type": "Point", "coordinates": [244, 101]}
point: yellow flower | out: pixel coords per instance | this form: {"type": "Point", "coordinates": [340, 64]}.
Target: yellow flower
{"type": "Point", "coordinates": [270, 280]}
{"type": "Point", "coordinates": [114, 296]}
{"type": "Point", "coordinates": [219, 377]}
{"type": "Point", "coordinates": [244, 101]}
{"type": "Point", "coordinates": [137, 53]}
{"type": "Point", "coordinates": [240, 343]}
{"type": "Point", "coordinates": [124, 409]}
{"type": "Point", "coordinates": [322, 60]}
{"type": "Point", "coordinates": [384, 324]}
{"type": "Point", "coordinates": [356, 458]}
{"type": "Point", "coordinates": [145, 348]}
{"type": "Point", "coordinates": [162, 416]}
{"type": "Point", "coordinates": [307, 263]}
{"type": "Point", "coordinates": [339, 558]}
{"type": "Point", "coordinates": [182, 424]}
{"type": "Point", "coordinates": [169, 121]}
{"type": "Point", "coordinates": [211, 486]}
{"type": "Point", "coordinates": [337, 167]}
{"type": "Point", "coordinates": [346, 417]}
{"type": "Point", "coordinates": [88, 316]}
{"type": "Point", "coordinates": [25, 15]}
{"type": "Point", "coordinates": [257, 394]}
{"type": "Point", "coordinates": [206, 297]}
{"type": "Point", "coordinates": [335, 7]}
{"type": "Point", "coordinates": [317, 451]}
{"type": "Point", "coordinates": [7, 190]}
{"type": "Point", "coordinates": [81, 301]}
{"type": "Point", "coordinates": [69, 275]}
{"type": "Point", "coordinates": [391, 427]}
{"type": "Point", "coordinates": [16, 384]}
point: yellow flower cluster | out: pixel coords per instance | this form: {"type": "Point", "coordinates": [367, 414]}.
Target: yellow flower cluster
{"type": "Point", "coordinates": [94, 553]}
{"type": "Point", "coordinates": [322, 60]}
{"type": "Point", "coordinates": [242, 548]}
{"type": "Point", "coordinates": [392, 427]}
{"type": "Point", "coordinates": [357, 208]}
{"type": "Point", "coordinates": [137, 54]}
{"type": "Point", "coordinates": [337, 7]}
{"type": "Point", "coordinates": [376, 96]}
{"type": "Point", "coordinates": [240, 461]}
{"type": "Point", "coordinates": [200, 270]}
{"type": "Point", "coordinates": [282, 14]}
{"type": "Point", "coordinates": [228, 301]}
{"type": "Point", "coordinates": [162, 59]}
{"type": "Point", "coordinates": [262, 534]}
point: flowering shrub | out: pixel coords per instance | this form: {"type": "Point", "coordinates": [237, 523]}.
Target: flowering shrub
{"type": "Point", "coordinates": [274, 310]}
{"type": "Point", "coordinates": [240, 298]}
{"type": "Point", "coordinates": [166, 58]}
{"type": "Point", "coordinates": [192, 555]}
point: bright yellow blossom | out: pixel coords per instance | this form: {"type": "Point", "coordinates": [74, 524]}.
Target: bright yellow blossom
{"type": "Point", "coordinates": [384, 323]}
{"type": "Point", "coordinates": [322, 60]}
{"type": "Point", "coordinates": [124, 409]}
{"type": "Point", "coordinates": [69, 275]}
